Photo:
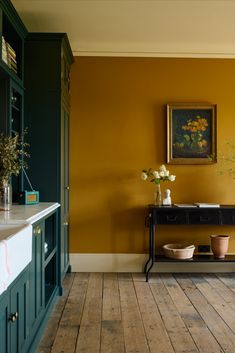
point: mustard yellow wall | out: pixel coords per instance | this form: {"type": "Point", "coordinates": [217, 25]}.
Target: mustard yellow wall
{"type": "Point", "coordinates": [118, 127]}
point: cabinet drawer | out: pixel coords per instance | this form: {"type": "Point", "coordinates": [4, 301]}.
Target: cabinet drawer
{"type": "Point", "coordinates": [207, 217]}
{"type": "Point", "coordinates": [170, 218]}
{"type": "Point", "coordinates": [228, 217]}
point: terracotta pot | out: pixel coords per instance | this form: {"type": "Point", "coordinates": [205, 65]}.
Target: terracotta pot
{"type": "Point", "coordinates": [219, 245]}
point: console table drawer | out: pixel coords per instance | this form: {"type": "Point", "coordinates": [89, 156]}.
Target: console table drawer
{"type": "Point", "coordinates": [228, 217]}
{"type": "Point", "coordinates": [208, 217]}
{"type": "Point", "coordinates": [171, 218]}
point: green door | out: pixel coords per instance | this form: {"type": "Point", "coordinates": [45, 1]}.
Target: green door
{"type": "Point", "coordinates": [4, 324]}
{"type": "Point", "coordinates": [19, 316]}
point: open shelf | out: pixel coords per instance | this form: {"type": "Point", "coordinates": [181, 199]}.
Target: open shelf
{"type": "Point", "coordinates": [49, 290]}
{"type": "Point", "coordinates": [12, 45]}
{"type": "Point", "coordinates": [49, 257]}
{"type": "Point", "coordinates": [50, 278]}
{"type": "Point", "coordinates": [197, 258]}
{"type": "Point", "coordinates": [50, 236]}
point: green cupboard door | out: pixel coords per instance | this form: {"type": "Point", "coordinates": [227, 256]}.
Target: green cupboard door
{"type": "Point", "coordinates": [36, 276]}
{"type": "Point", "coordinates": [64, 189]}
{"type": "Point", "coordinates": [4, 324]}
{"type": "Point", "coordinates": [19, 316]}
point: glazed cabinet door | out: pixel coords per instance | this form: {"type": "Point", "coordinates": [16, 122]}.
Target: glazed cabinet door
{"type": "Point", "coordinates": [11, 121]}
{"type": "Point", "coordinates": [4, 324]}
{"type": "Point", "coordinates": [16, 126]}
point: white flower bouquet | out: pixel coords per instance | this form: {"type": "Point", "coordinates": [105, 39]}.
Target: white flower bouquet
{"type": "Point", "coordinates": [156, 176]}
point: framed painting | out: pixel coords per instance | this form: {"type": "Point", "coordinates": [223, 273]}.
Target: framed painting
{"type": "Point", "coordinates": [191, 133]}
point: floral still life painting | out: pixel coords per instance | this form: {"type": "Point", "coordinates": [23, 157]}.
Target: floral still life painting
{"type": "Point", "coordinates": [191, 132]}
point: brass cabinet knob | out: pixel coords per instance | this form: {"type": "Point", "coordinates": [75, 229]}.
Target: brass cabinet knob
{"type": "Point", "coordinates": [37, 231]}
{"type": "Point", "coordinates": [13, 317]}
{"type": "Point", "coordinates": [66, 224]}
{"type": "Point", "coordinates": [67, 187]}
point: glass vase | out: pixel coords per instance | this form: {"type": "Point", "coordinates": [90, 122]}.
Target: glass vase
{"type": "Point", "coordinates": [6, 197]}
{"type": "Point", "coordinates": [158, 196]}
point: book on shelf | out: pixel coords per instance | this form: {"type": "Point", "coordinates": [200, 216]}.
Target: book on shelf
{"type": "Point", "coordinates": [11, 58]}
{"type": "Point", "coordinates": [4, 51]}
{"type": "Point", "coordinates": [205, 204]}
{"type": "Point", "coordinates": [9, 55]}
{"type": "Point", "coordinates": [12, 65]}
{"type": "Point", "coordinates": [10, 50]}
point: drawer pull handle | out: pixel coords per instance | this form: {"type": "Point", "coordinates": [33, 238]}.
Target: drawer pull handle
{"type": "Point", "coordinates": [204, 218]}
{"type": "Point", "coordinates": [171, 218]}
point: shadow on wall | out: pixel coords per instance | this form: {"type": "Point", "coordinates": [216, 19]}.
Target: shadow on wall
{"type": "Point", "coordinates": [128, 228]}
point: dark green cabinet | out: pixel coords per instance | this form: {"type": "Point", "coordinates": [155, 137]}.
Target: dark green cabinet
{"type": "Point", "coordinates": [26, 304]}
{"type": "Point", "coordinates": [14, 316]}
{"type": "Point", "coordinates": [47, 109]}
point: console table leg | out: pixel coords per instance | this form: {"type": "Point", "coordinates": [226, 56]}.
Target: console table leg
{"type": "Point", "coordinates": [146, 265]}
{"type": "Point", "coordinates": [151, 250]}
{"type": "Point", "coordinates": [149, 258]}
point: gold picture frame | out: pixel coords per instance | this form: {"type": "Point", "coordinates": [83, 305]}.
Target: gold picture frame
{"type": "Point", "coordinates": [191, 133]}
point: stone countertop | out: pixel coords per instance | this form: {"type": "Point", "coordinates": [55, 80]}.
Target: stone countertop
{"type": "Point", "coordinates": [27, 213]}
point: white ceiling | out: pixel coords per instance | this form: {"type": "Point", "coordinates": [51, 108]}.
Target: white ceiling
{"type": "Point", "coordinates": [184, 28]}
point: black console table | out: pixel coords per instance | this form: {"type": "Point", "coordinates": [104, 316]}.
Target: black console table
{"type": "Point", "coordinates": [173, 215]}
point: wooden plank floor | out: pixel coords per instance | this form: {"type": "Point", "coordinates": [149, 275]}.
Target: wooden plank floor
{"type": "Point", "coordinates": [121, 313]}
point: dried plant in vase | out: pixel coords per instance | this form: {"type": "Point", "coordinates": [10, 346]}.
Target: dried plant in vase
{"type": "Point", "coordinates": [13, 150]}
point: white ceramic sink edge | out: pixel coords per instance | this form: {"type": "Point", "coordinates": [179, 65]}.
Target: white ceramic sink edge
{"type": "Point", "coordinates": [15, 251]}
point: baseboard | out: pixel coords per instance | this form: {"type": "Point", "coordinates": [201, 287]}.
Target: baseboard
{"type": "Point", "coordinates": [135, 263]}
